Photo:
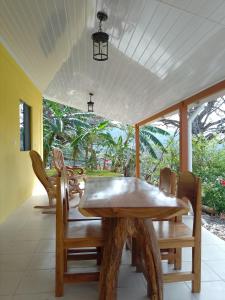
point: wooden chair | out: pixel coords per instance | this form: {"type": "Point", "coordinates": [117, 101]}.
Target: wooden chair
{"type": "Point", "coordinates": [72, 241]}
{"type": "Point", "coordinates": [47, 181]}
{"type": "Point", "coordinates": [177, 235]}
{"type": "Point", "coordinates": [74, 174]}
{"type": "Point", "coordinates": [167, 183]}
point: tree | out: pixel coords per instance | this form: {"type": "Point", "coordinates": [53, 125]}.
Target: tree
{"type": "Point", "coordinates": [61, 125]}
{"type": "Point", "coordinates": [209, 121]}
{"type": "Point", "coordinates": [53, 128]}
{"type": "Point", "coordinates": [123, 151]}
{"type": "Point", "coordinates": [168, 156]}
{"type": "Point", "coordinates": [88, 138]}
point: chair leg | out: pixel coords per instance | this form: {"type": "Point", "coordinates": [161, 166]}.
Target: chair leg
{"type": "Point", "coordinates": [196, 269]}
{"type": "Point", "coordinates": [99, 256]}
{"type": "Point", "coordinates": [178, 259]}
{"type": "Point", "coordinates": [65, 260]}
{"type": "Point", "coordinates": [59, 273]}
{"type": "Point", "coordinates": [171, 254]}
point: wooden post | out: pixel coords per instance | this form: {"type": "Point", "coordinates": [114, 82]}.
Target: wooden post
{"type": "Point", "coordinates": [137, 143]}
{"type": "Point", "coordinates": [183, 137]}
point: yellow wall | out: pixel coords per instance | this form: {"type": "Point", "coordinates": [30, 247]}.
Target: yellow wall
{"type": "Point", "coordinates": [16, 174]}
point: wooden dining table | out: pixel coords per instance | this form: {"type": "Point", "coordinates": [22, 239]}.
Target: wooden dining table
{"type": "Point", "coordinates": [124, 203]}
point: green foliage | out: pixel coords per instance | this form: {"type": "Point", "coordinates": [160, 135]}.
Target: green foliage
{"type": "Point", "coordinates": [168, 156]}
{"type": "Point", "coordinates": [209, 165]}
{"type": "Point", "coordinates": [214, 195]}
{"type": "Point", "coordinates": [148, 140]}
{"type": "Point", "coordinates": [87, 138]}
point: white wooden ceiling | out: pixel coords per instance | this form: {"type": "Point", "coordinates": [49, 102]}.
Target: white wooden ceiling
{"type": "Point", "coordinates": [159, 52]}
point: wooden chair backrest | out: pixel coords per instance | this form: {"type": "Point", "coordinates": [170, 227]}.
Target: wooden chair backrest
{"type": "Point", "coordinates": [189, 186]}
{"type": "Point", "coordinates": [58, 159]}
{"type": "Point", "coordinates": [61, 206]}
{"type": "Point", "coordinates": [39, 170]}
{"type": "Point", "coordinates": [167, 181]}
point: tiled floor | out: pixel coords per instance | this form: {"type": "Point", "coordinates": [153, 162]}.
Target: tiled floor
{"type": "Point", "coordinates": [27, 249]}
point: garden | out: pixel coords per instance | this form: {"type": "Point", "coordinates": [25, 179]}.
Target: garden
{"type": "Point", "coordinates": [107, 148]}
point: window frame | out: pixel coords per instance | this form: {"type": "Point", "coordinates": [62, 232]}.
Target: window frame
{"type": "Point", "coordinates": [25, 139]}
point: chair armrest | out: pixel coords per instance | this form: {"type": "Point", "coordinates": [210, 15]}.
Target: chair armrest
{"type": "Point", "coordinates": [79, 170]}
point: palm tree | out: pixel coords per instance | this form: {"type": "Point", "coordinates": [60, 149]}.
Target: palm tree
{"type": "Point", "coordinates": [89, 138]}
{"type": "Point", "coordinates": [61, 124]}
{"type": "Point", "coordinates": [53, 126]}
{"type": "Point", "coordinates": [88, 135]}
{"type": "Point", "coordinates": [122, 151]}
{"type": "Point", "coordinates": [149, 139]}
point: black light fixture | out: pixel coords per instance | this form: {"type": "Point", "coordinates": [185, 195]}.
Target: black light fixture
{"type": "Point", "coordinates": [100, 40]}
{"type": "Point", "coordinates": [90, 104]}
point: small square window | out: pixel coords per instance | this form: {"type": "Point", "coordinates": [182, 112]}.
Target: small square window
{"type": "Point", "coordinates": [25, 127]}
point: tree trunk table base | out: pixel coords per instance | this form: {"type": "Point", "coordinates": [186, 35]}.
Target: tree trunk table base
{"type": "Point", "coordinates": [116, 231]}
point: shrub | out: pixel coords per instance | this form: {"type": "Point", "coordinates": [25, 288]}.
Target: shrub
{"type": "Point", "coordinates": [214, 196]}
{"type": "Point", "coordinates": [209, 165]}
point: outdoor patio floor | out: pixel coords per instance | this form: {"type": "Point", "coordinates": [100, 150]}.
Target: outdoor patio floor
{"type": "Point", "coordinates": [27, 261]}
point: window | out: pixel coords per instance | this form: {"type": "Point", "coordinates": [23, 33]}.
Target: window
{"type": "Point", "coordinates": [25, 133]}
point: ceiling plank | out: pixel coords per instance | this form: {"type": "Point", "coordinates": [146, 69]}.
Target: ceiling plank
{"type": "Point", "coordinates": [194, 98]}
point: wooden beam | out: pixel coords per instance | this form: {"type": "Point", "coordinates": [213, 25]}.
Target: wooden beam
{"type": "Point", "coordinates": [206, 93]}
{"type": "Point", "coordinates": [194, 98]}
{"type": "Point", "coordinates": [183, 111]}
{"type": "Point", "coordinates": [159, 115]}
{"type": "Point", "coordinates": [137, 144]}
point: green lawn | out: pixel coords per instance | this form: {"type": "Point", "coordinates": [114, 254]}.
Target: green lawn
{"type": "Point", "coordinates": [91, 173]}
{"type": "Point", "coordinates": [106, 173]}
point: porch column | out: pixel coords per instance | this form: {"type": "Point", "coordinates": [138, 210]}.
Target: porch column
{"type": "Point", "coordinates": [137, 144]}
{"type": "Point", "coordinates": [183, 111]}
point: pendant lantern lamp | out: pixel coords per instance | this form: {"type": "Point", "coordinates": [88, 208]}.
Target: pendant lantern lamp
{"type": "Point", "coordinates": [90, 104]}
{"type": "Point", "coordinates": [100, 40]}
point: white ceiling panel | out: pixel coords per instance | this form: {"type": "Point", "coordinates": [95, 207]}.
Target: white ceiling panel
{"type": "Point", "coordinates": [159, 51]}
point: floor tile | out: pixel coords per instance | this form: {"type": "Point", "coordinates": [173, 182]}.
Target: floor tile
{"type": "Point", "coordinates": [177, 291]}
{"type": "Point", "coordinates": [40, 281]}
{"type": "Point", "coordinates": [39, 296]}
{"type": "Point", "coordinates": [42, 261]}
{"type": "Point", "coordinates": [45, 246]}
{"type": "Point", "coordinates": [212, 252]}
{"type": "Point", "coordinates": [221, 246]}
{"type": "Point", "coordinates": [210, 239]}
{"type": "Point", "coordinates": [82, 291]}
{"type": "Point", "coordinates": [218, 267]}
{"type": "Point", "coordinates": [132, 294]}
{"type": "Point", "coordinates": [14, 262]}
{"type": "Point", "coordinates": [35, 234]}
{"type": "Point", "coordinates": [209, 291]}
{"type": "Point", "coordinates": [186, 254]}
{"type": "Point", "coordinates": [128, 277]}
{"type": "Point", "coordinates": [126, 257]}
{"type": "Point", "coordinates": [18, 247]}
{"type": "Point", "coordinates": [9, 282]}
{"type": "Point", "coordinates": [27, 261]}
